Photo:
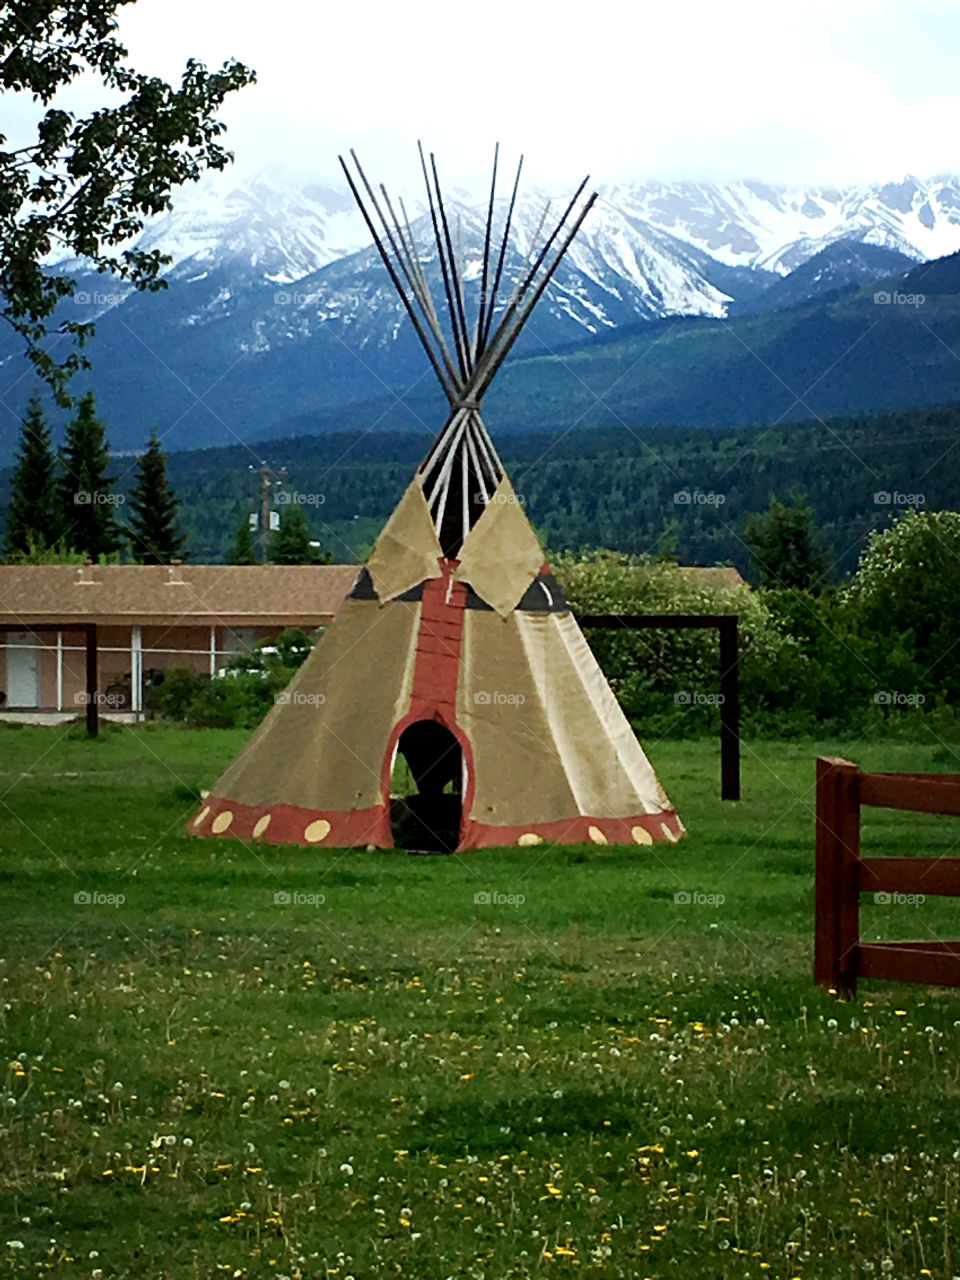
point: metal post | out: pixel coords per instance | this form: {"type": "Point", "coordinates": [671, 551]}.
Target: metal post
{"type": "Point", "coordinates": [93, 710]}
{"type": "Point", "coordinates": [729, 710]}
{"type": "Point", "coordinates": [59, 670]}
{"type": "Point", "coordinates": [213, 652]}
{"type": "Point", "coordinates": [136, 668]}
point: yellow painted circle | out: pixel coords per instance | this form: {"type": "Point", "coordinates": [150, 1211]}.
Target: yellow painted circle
{"type": "Point", "coordinates": [641, 835]}
{"type": "Point", "coordinates": [317, 831]}
{"type": "Point", "coordinates": [261, 825]}
{"type": "Point", "coordinates": [201, 816]}
{"type": "Point", "coordinates": [596, 835]}
{"type": "Point", "coordinates": [671, 836]}
{"type": "Point", "coordinates": [530, 837]}
{"type": "Point", "coordinates": [222, 821]}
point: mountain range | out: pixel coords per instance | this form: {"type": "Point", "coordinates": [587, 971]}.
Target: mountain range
{"type": "Point", "coordinates": [706, 304]}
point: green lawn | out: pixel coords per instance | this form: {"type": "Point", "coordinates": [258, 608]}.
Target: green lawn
{"type": "Point", "coordinates": [400, 1081]}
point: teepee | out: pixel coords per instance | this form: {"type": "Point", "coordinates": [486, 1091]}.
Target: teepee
{"type": "Point", "coordinates": [455, 648]}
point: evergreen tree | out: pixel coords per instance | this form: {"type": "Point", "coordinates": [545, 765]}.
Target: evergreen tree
{"type": "Point", "coordinates": [786, 548]}
{"type": "Point", "coordinates": [291, 543]}
{"type": "Point", "coordinates": [32, 520]}
{"type": "Point", "coordinates": [243, 552]}
{"type": "Point", "coordinates": [153, 507]}
{"type": "Point", "coordinates": [87, 505]}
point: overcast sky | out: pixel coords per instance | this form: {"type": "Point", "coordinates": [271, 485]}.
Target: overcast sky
{"type": "Point", "coordinates": [839, 92]}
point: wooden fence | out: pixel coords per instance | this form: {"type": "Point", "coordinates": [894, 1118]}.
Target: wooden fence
{"type": "Point", "coordinates": [840, 957]}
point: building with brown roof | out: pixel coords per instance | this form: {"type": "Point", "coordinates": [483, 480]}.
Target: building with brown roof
{"type": "Point", "coordinates": [149, 618]}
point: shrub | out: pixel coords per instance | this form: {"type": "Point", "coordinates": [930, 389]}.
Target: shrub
{"type": "Point", "coordinates": [242, 695]}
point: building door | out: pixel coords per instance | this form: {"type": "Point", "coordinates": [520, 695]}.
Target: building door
{"type": "Point", "coordinates": [23, 670]}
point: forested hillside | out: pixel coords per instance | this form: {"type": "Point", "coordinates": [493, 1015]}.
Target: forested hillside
{"type": "Point", "coordinates": [613, 488]}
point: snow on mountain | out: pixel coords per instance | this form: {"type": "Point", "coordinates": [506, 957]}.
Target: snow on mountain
{"type": "Point", "coordinates": [777, 228]}
{"type": "Point", "coordinates": [647, 250]}
{"type": "Point", "coordinates": [280, 232]}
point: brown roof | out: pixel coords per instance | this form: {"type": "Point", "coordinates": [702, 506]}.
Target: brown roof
{"type": "Point", "coordinates": [202, 594]}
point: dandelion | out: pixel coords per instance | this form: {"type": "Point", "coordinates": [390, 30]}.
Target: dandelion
{"type": "Point", "coordinates": [284, 1084]}
{"type": "Point", "coordinates": [346, 1168]}
{"type": "Point", "coordinates": [831, 1024]}
{"type": "Point", "coordinates": [886, 1265]}
{"type": "Point", "coordinates": [188, 1142]}
{"type": "Point", "coordinates": [887, 1158]}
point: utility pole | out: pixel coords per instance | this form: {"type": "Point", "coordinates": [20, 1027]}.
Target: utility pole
{"type": "Point", "coordinates": [270, 478]}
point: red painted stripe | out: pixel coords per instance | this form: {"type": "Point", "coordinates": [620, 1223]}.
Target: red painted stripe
{"type": "Point", "coordinates": [437, 667]}
{"type": "Point", "coordinates": [576, 830]}
{"type": "Point", "coordinates": [290, 824]}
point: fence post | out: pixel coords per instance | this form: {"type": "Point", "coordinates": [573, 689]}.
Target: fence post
{"type": "Point", "coordinates": [93, 695]}
{"type": "Point", "coordinates": [729, 709]}
{"type": "Point", "coordinates": [837, 882]}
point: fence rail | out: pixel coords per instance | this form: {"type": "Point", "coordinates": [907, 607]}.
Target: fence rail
{"type": "Point", "coordinates": [840, 957]}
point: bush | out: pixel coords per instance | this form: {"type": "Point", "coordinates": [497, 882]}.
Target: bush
{"type": "Point", "coordinates": [242, 695]}
{"type": "Point", "coordinates": [173, 696]}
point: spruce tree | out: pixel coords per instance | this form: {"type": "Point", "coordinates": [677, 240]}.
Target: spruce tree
{"type": "Point", "coordinates": [786, 547]}
{"type": "Point", "coordinates": [243, 552]}
{"type": "Point", "coordinates": [153, 509]}
{"type": "Point", "coordinates": [32, 520]}
{"type": "Point", "coordinates": [87, 505]}
{"type": "Point", "coordinates": [291, 543]}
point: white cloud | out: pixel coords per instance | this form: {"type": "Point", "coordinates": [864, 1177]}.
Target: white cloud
{"type": "Point", "coordinates": [839, 92]}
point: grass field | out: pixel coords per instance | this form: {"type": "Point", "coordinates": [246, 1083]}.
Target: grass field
{"type": "Point", "coordinates": [388, 1078]}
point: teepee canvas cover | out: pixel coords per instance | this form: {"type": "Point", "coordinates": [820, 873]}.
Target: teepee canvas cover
{"type": "Point", "coordinates": [456, 646]}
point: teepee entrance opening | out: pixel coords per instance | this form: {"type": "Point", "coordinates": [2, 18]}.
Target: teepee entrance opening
{"type": "Point", "coordinates": [427, 788]}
